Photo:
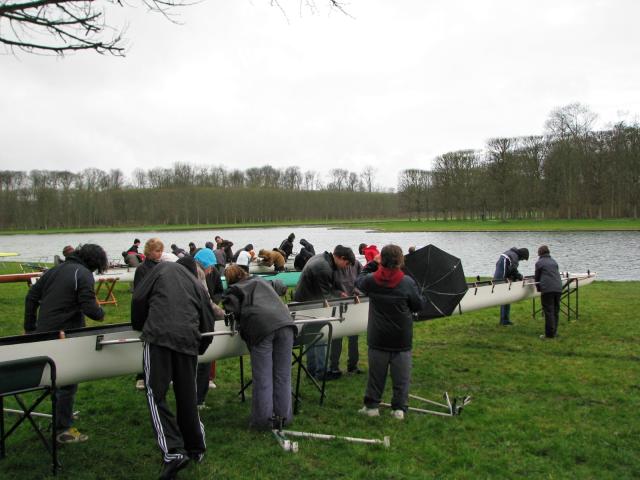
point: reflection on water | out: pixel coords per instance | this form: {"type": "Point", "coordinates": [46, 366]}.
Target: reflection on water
{"type": "Point", "coordinates": [614, 255]}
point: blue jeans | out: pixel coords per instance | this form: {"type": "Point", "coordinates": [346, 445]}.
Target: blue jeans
{"type": "Point", "coordinates": [504, 314]}
{"type": "Point", "coordinates": [316, 357]}
{"type": "Point", "coordinates": [65, 397]}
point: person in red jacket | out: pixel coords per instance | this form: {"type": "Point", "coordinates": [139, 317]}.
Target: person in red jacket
{"type": "Point", "coordinates": [369, 251]}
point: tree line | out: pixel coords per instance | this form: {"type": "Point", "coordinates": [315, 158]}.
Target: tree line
{"type": "Point", "coordinates": [572, 171]}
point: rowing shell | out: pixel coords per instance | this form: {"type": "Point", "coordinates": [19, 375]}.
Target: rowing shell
{"type": "Point", "coordinates": [100, 352]}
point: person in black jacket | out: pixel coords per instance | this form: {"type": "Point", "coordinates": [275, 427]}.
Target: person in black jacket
{"type": "Point", "coordinates": [549, 284]}
{"type": "Point", "coordinates": [287, 246]}
{"type": "Point", "coordinates": [393, 298]}
{"type": "Point", "coordinates": [266, 326]}
{"type": "Point", "coordinates": [306, 252]}
{"type": "Point", "coordinates": [172, 310]}
{"type": "Point", "coordinates": [507, 269]}
{"type": "Point", "coordinates": [59, 301]}
{"type": "Point", "coordinates": [317, 282]}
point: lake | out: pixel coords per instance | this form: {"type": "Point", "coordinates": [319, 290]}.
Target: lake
{"type": "Point", "coordinates": [613, 255]}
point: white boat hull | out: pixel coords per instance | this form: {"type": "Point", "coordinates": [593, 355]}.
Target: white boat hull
{"type": "Point", "coordinates": [80, 357]}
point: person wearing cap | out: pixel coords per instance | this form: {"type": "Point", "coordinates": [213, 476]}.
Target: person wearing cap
{"type": "Point", "coordinates": [393, 298]}
{"type": "Point", "coordinates": [172, 310]}
{"type": "Point", "coordinates": [208, 275]}
{"type": "Point", "coordinates": [549, 284]}
{"type": "Point", "coordinates": [317, 282]}
{"type": "Point", "coordinates": [266, 326]}
{"type": "Point", "coordinates": [507, 269]}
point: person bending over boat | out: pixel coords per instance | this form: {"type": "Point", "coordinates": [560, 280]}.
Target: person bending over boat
{"type": "Point", "coordinates": [549, 284]}
{"type": "Point", "coordinates": [172, 310]}
{"type": "Point", "coordinates": [369, 251]}
{"type": "Point", "coordinates": [393, 297]}
{"type": "Point", "coordinates": [244, 257]}
{"type": "Point", "coordinates": [59, 301]}
{"type": "Point", "coordinates": [287, 246]}
{"type": "Point", "coordinates": [266, 326]}
{"type": "Point", "coordinates": [306, 252]}
{"type": "Point", "coordinates": [272, 258]}
{"type": "Point", "coordinates": [317, 282]}
{"type": "Point", "coordinates": [507, 269]}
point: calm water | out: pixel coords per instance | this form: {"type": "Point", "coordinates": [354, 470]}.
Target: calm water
{"type": "Point", "coordinates": [614, 255]}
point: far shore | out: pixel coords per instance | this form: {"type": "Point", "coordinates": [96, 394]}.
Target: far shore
{"type": "Point", "coordinates": [384, 225]}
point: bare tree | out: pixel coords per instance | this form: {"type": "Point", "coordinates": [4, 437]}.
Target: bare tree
{"type": "Point", "coordinates": [63, 26]}
{"type": "Point", "coordinates": [139, 178]}
{"type": "Point", "coordinates": [368, 177]}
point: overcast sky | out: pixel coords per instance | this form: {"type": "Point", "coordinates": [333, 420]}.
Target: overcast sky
{"type": "Point", "coordinates": [394, 85]}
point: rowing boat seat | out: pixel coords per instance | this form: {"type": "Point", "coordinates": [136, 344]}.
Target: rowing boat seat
{"type": "Point", "coordinates": [26, 375]}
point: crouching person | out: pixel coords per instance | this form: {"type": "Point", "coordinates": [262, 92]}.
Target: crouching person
{"type": "Point", "coordinates": [172, 310]}
{"type": "Point", "coordinates": [266, 326]}
{"type": "Point", "coordinates": [393, 297]}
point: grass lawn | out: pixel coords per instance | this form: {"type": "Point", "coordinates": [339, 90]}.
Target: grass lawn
{"type": "Point", "coordinates": [566, 408]}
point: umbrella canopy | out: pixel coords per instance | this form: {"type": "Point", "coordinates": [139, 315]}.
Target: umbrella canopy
{"type": "Point", "coordinates": [441, 280]}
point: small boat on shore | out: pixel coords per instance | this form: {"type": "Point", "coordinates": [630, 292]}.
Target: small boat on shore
{"type": "Point", "coordinates": [93, 353]}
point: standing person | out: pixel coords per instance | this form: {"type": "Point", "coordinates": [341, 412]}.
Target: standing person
{"type": "Point", "coordinates": [272, 257]}
{"type": "Point", "coordinates": [59, 301]}
{"type": "Point", "coordinates": [153, 249]}
{"type": "Point", "coordinates": [507, 269]}
{"type": "Point", "coordinates": [172, 310]}
{"type": "Point", "coordinates": [317, 282]}
{"type": "Point", "coordinates": [287, 246]}
{"type": "Point", "coordinates": [369, 251]}
{"type": "Point", "coordinates": [345, 279]}
{"type": "Point", "coordinates": [549, 284]}
{"type": "Point", "coordinates": [266, 326]}
{"type": "Point", "coordinates": [393, 298]}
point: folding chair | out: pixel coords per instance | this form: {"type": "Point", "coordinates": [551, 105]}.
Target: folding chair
{"type": "Point", "coordinates": [308, 337]}
{"type": "Point", "coordinates": [22, 376]}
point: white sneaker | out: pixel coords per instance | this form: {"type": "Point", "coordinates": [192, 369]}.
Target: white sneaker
{"type": "Point", "coordinates": [369, 412]}
{"type": "Point", "coordinates": [140, 384]}
{"type": "Point", "coordinates": [212, 385]}
{"type": "Point", "coordinates": [397, 414]}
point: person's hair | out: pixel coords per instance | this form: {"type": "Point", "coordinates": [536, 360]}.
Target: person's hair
{"type": "Point", "coordinates": [412, 249]}
{"type": "Point", "coordinates": [523, 253]}
{"type": "Point", "coordinates": [391, 256]}
{"type": "Point", "coordinates": [345, 252]}
{"type": "Point", "coordinates": [93, 256]}
{"type": "Point", "coordinates": [189, 263]}
{"type": "Point", "coordinates": [234, 273]}
{"type": "Point", "coordinates": [291, 237]}
{"type": "Point", "coordinates": [543, 250]}
{"type": "Point", "coordinates": [68, 250]}
{"type": "Point", "coordinates": [248, 247]}
{"type": "Point", "coordinates": [191, 244]}
{"type": "Point", "coordinates": [153, 245]}
{"type": "Point", "coordinates": [361, 248]}
{"type": "Point", "coordinates": [217, 237]}
{"type": "Point", "coordinates": [174, 246]}
{"type": "Point", "coordinates": [209, 245]}
{"type": "Point", "coordinates": [136, 240]}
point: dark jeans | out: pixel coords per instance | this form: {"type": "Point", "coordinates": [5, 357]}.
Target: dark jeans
{"type": "Point", "coordinates": [551, 309]}
{"type": "Point", "coordinates": [65, 397]}
{"type": "Point", "coordinates": [336, 351]}
{"type": "Point", "coordinates": [505, 310]}
{"type": "Point", "coordinates": [183, 433]}
{"type": "Point", "coordinates": [381, 362]}
{"type": "Point", "coordinates": [202, 381]}
{"type": "Point", "coordinates": [271, 376]}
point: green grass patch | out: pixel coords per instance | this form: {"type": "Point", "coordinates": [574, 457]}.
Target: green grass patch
{"type": "Point", "coordinates": [565, 408]}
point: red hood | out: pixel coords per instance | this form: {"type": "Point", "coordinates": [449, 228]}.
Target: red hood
{"type": "Point", "coordinates": [388, 277]}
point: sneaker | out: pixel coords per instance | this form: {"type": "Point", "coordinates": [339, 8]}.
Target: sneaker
{"type": "Point", "coordinates": [71, 435]}
{"type": "Point", "coordinates": [197, 457]}
{"type": "Point", "coordinates": [171, 469]}
{"type": "Point", "coordinates": [397, 414]}
{"type": "Point", "coordinates": [140, 384]}
{"type": "Point", "coordinates": [369, 412]}
{"type": "Point", "coordinates": [202, 406]}
{"type": "Point", "coordinates": [507, 324]}
{"type": "Point", "coordinates": [212, 385]}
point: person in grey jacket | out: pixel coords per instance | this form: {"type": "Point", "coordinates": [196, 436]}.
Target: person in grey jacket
{"type": "Point", "coordinates": [549, 284]}
{"type": "Point", "coordinates": [267, 327]}
{"type": "Point", "coordinates": [507, 269]}
{"type": "Point", "coordinates": [59, 301]}
{"type": "Point", "coordinates": [172, 310]}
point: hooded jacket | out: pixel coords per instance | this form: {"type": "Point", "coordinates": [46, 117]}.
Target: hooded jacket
{"type": "Point", "coordinates": [547, 275]}
{"type": "Point", "coordinates": [393, 297]}
{"type": "Point", "coordinates": [172, 309]}
{"type": "Point", "coordinates": [317, 281]}
{"type": "Point", "coordinates": [257, 308]}
{"type": "Point", "coordinates": [287, 245]}
{"type": "Point", "coordinates": [507, 264]}
{"type": "Point", "coordinates": [271, 257]}
{"type": "Point", "coordinates": [61, 298]}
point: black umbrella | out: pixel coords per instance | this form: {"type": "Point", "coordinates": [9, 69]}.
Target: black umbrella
{"type": "Point", "coordinates": [440, 277]}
